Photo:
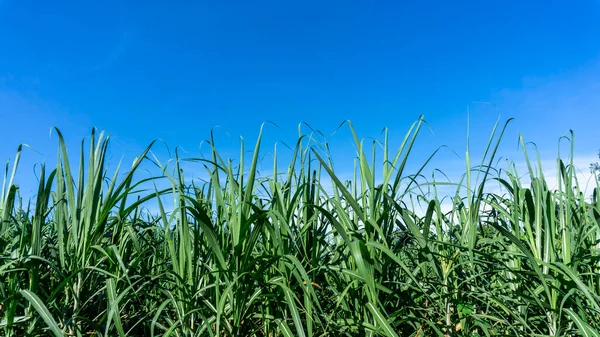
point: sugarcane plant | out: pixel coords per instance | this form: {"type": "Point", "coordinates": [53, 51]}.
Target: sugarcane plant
{"type": "Point", "coordinates": [290, 248]}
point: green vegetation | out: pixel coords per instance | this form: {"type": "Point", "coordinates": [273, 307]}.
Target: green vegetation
{"type": "Point", "coordinates": [281, 254]}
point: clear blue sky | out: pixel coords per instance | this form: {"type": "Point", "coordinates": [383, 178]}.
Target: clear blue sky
{"type": "Point", "coordinates": [173, 70]}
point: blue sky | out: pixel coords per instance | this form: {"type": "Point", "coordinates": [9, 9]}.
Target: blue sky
{"type": "Point", "coordinates": [145, 70]}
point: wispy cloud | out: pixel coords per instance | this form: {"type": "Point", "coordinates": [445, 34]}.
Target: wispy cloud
{"type": "Point", "coordinates": [119, 49]}
{"type": "Point", "coordinates": [567, 90]}
{"type": "Point", "coordinates": [116, 52]}
{"type": "Point", "coordinates": [548, 107]}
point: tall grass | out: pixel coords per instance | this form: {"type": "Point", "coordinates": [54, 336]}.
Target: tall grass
{"type": "Point", "coordinates": [283, 254]}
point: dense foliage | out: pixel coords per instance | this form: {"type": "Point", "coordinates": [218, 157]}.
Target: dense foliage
{"type": "Point", "coordinates": [282, 254]}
